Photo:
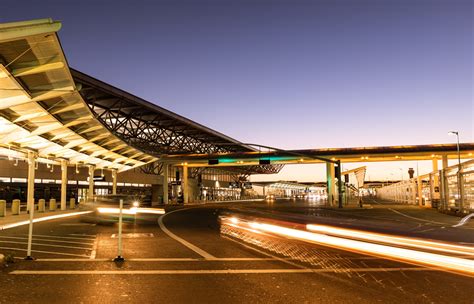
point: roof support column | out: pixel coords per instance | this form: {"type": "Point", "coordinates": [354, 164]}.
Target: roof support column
{"type": "Point", "coordinates": [435, 180]}
{"type": "Point", "coordinates": [63, 183]}
{"type": "Point", "coordinates": [165, 183]}
{"type": "Point", "coordinates": [184, 185]}
{"type": "Point", "coordinates": [31, 199]}
{"type": "Point", "coordinates": [90, 193]}
{"type": "Point", "coordinates": [420, 191]}
{"type": "Point", "coordinates": [330, 177]}
{"type": "Point", "coordinates": [445, 161]}
{"type": "Point", "coordinates": [114, 181]}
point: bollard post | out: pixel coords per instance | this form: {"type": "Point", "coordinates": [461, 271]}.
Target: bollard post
{"type": "Point", "coordinates": [52, 204]}
{"type": "Point", "coordinates": [3, 208]}
{"type": "Point", "coordinates": [72, 203]}
{"type": "Point", "coordinates": [16, 207]}
{"type": "Point", "coordinates": [41, 205]}
{"type": "Point", "coordinates": [119, 257]}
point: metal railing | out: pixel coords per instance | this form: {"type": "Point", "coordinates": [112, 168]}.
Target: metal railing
{"type": "Point", "coordinates": [449, 189]}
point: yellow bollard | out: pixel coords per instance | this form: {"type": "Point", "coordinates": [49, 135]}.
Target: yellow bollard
{"type": "Point", "coordinates": [41, 205]}
{"type": "Point", "coordinates": [16, 207]}
{"type": "Point", "coordinates": [72, 203]}
{"type": "Point", "coordinates": [52, 204]}
{"type": "Point", "coordinates": [3, 208]}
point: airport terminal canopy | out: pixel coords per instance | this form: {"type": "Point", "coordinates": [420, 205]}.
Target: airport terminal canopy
{"type": "Point", "coordinates": [61, 113]}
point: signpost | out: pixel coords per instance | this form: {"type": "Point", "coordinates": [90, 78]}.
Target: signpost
{"type": "Point", "coordinates": [119, 257]}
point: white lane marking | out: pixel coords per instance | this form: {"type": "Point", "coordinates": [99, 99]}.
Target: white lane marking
{"type": "Point", "coordinates": [196, 260]}
{"type": "Point", "coordinates": [83, 235]}
{"type": "Point", "coordinates": [133, 235]}
{"type": "Point", "coordinates": [46, 240]}
{"type": "Point", "coordinates": [94, 249]}
{"type": "Point", "coordinates": [218, 271]}
{"type": "Point", "coordinates": [77, 224]}
{"type": "Point", "coordinates": [42, 219]}
{"type": "Point", "coordinates": [48, 252]}
{"type": "Point", "coordinates": [464, 220]}
{"type": "Point", "coordinates": [409, 216]}
{"type": "Point", "coordinates": [61, 237]}
{"type": "Point", "coordinates": [161, 260]}
{"type": "Point", "coordinates": [73, 260]}
{"type": "Point", "coordinates": [47, 245]}
{"type": "Point", "coordinates": [194, 248]}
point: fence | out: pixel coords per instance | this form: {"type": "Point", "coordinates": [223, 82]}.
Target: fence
{"type": "Point", "coordinates": [450, 189]}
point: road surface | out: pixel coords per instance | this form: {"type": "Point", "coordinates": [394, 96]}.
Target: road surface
{"type": "Point", "coordinates": [186, 257]}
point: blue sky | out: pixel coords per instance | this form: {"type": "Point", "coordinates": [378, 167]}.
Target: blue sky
{"type": "Point", "coordinates": [291, 74]}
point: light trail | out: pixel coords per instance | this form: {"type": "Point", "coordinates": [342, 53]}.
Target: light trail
{"type": "Point", "coordinates": [433, 260]}
{"type": "Point", "coordinates": [131, 211]}
{"type": "Point", "coordinates": [42, 219]}
{"type": "Point", "coordinates": [394, 240]}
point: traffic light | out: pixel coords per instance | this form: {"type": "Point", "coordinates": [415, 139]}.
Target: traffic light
{"type": "Point", "coordinates": [213, 162]}
{"type": "Point", "coordinates": [337, 171]}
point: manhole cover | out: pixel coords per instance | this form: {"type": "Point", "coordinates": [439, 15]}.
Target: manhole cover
{"type": "Point", "coordinates": [133, 235]}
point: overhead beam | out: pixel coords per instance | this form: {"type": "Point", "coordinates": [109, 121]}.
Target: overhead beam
{"type": "Point", "coordinates": [20, 72]}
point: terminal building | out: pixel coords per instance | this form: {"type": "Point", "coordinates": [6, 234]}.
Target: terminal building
{"type": "Point", "coordinates": [66, 135]}
{"type": "Point", "coordinates": [84, 137]}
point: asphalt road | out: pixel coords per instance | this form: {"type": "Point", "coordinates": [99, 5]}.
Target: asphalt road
{"type": "Point", "coordinates": [187, 257]}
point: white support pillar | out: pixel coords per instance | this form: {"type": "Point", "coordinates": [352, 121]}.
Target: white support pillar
{"type": "Point", "coordinates": [420, 191]}
{"type": "Point", "coordinates": [90, 193]}
{"type": "Point", "coordinates": [165, 183]}
{"type": "Point", "coordinates": [114, 181]}
{"type": "Point", "coordinates": [331, 189]}
{"type": "Point", "coordinates": [184, 185]}
{"type": "Point", "coordinates": [445, 161]}
{"type": "Point", "coordinates": [63, 183]}
{"type": "Point", "coordinates": [31, 199]}
{"type": "Point", "coordinates": [435, 180]}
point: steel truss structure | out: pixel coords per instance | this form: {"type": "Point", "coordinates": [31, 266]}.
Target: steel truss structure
{"type": "Point", "coordinates": [155, 130]}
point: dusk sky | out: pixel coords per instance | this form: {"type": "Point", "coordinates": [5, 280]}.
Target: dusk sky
{"type": "Point", "coordinates": [290, 74]}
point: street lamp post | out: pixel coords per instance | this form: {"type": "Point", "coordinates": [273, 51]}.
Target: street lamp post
{"type": "Point", "coordinates": [459, 170]}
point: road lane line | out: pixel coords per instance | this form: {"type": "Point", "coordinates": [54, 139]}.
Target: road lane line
{"type": "Point", "coordinates": [464, 220]}
{"type": "Point", "coordinates": [48, 252]}
{"type": "Point", "coordinates": [194, 248]}
{"type": "Point", "coordinates": [218, 271]}
{"type": "Point", "coordinates": [76, 224]}
{"type": "Point", "coordinates": [84, 235]}
{"type": "Point", "coordinates": [411, 217]}
{"type": "Point", "coordinates": [162, 260]}
{"type": "Point", "coordinates": [61, 237]}
{"type": "Point", "coordinates": [40, 239]}
{"type": "Point", "coordinates": [46, 245]}
{"type": "Point", "coordinates": [198, 260]}
{"type": "Point", "coordinates": [73, 260]}
{"type": "Point", "coordinates": [94, 249]}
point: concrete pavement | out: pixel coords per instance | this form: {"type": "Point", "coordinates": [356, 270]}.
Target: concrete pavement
{"type": "Point", "coordinates": [160, 267]}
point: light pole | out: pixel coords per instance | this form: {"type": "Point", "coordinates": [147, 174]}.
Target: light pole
{"type": "Point", "coordinates": [459, 152]}
{"type": "Point", "coordinates": [459, 170]}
